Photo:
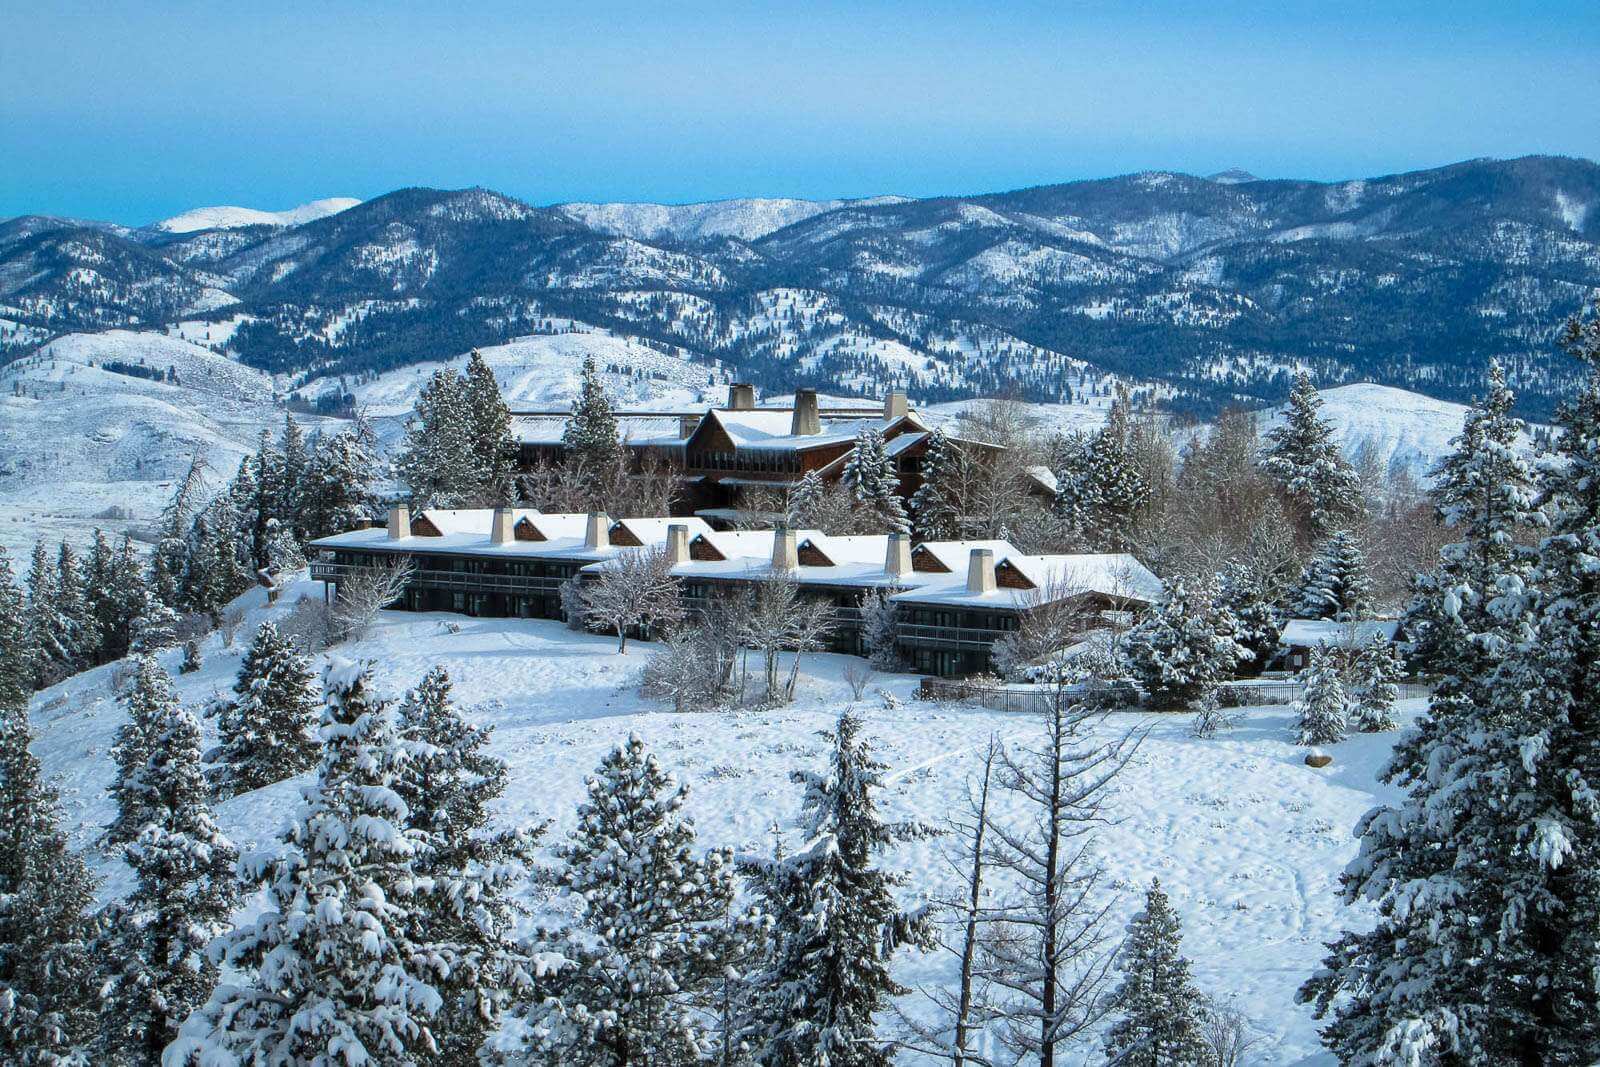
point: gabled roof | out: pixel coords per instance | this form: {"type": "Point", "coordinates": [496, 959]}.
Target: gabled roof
{"type": "Point", "coordinates": [854, 548]}
{"type": "Point", "coordinates": [768, 429]}
{"type": "Point", "coordinates": [654, 531]}
{"type": "Point", "coordinates": [550, 527]}
{"type": "Point", "coordinates": [439, 522]}
{"type": "Point", "coordinates": [1111, 574]}
{"type": "Point", "coordinates": [645, 429]}
{"type": "Point", "coordinates": [953, 556]}
{"type": "Point", "coordinates": [738, 544]}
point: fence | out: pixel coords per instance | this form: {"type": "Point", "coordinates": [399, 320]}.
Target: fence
{"type": "Point", "coordinates": [1041, 698]}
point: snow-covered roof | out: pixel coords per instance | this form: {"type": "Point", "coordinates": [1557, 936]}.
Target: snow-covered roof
{"type": "Point", "coordinates": [853, 548]}
{"type": "Point", "coordinates": [742, 544]}
{"type": "Point", "coordinates": [1310, 632]}
{"type": "Point", "coordinates": [463, 520]}
{"type": "Point", "coordinates": [1045, 477]}
{"type": "Point", "coordinates": [564, 532]}
{"type": "Point", "coordinates": [770, 429]}
{"type": "Point", "coordinates": [654, 428]}
{"type": "Point", "coordinates": [955, 555]}
{"type": "Point", "coordinates": [1112, 574]}
{"type": "Point", "coordinates": [654, 531]}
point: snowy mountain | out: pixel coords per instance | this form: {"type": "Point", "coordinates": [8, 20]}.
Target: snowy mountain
{"type": "Point", "coordinates": [232, 218]}
{"type": "Point", "coordinates": [746, 219]}
{"type": "Point", "coordinates": [1400, 429]}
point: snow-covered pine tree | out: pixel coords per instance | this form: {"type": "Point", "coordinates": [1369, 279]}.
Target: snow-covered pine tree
{"type": "Point", "coordinates": [835, 922]}
{"type": "Point", "coordinates": [870, 476]}
{"type": "Point", "coordinates": [448, 785]}
{"type": "Point", "coordinates": [266, 733]}
{"type": "Point", "coordinates": [49, 631]}
{"type": "Point", "coordinates": [493, 452]}
{"type": "Point", "coordinates": [1116, 490]}
{"type": "Point", "coordinates": [1320, 487]}
{"type": "Point", "coordinates": [16, 652]}
{"type": "Point", "coordinates": [1323, 712]}
{"type": "Point", "coordinates": [1244, 596]}
{"type": "Point", "coordinates": [334, 969]}
{"type": "Point", "coordinates": [72, 601]}
{"type": "Point", "coordinates": [590, 435]}
{"type": "Point", "coordinates": [149, 701]}
{"type": "Point", "coordinates": [1377, 670]}
{"type": "Point", "coordinates": [1185, 648]}
{"type": "Point", "coordinates": [339, 484]}
{"type": "Point", "coordinates": [47, 989]}
{"type": "Point", "coordinates": [155, 953]}
{"type": "Point", "coordinates": [1160, 1012]}
{"type": "Point", "coordinates": [935, 506]}
{"type": "Point", "coordinates": [289, 505]}
{"type": "Point", "coordinates": [1485, 876]}
{"type": "Point", "coordinates": [1076, 493]}
{"type": "Point", "coordinates": [436, 461]}
{"type": "Point", "coordinates": [191, 657]}
{"type": "Point", "coordinates": [171, 559]}
{"type": "Point", "coordinates": [120, 600]}
{"type": "Point", "coordinates": [154, 627]}
{"type": "Point", "coordinates": [100, 596]}
{"type": "Point", "coordinates": [641, 950]}
{"type": "Point", "coordinates": [804, 502]}
{"type": "Point", "coordinates": [1335, 584]}
{"type": "Point", "coordinates": [880, 628]}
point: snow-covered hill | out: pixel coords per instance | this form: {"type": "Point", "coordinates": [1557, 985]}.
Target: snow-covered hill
{"type": "Point", "coordinates": [231, 218]}
{"type": "Point", "coordinates": [1401, 429]}
{"type": "Point", "coordinates": [1246, 839]}
{"type": "Point", "coordinates": [746, 219]}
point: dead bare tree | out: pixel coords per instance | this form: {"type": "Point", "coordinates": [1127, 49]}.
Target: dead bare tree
{"type": "Point", "coordinates": [636, 591]}
{"type": "Point", "coordinates": [781, 619]}
{"type": "Point", "coordinates": [366, 591]}
{"type": "Point", "coordinates": [1047, 947]}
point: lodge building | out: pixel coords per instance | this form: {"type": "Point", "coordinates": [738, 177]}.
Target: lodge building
{"type": "Point", "coordinates": [955, 598]}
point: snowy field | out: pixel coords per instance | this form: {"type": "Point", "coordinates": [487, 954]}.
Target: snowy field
{"type": "Point", "coordinates": [1247, 840]}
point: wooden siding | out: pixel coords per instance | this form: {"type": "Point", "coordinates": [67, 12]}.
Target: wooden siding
{"type": "Point", "coordinates": [1008, 577]}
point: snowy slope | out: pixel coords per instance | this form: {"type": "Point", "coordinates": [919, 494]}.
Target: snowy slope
{"type": "Point", "coordinates": [230, 218]}
{"type": "Point", "coordinates": [747, 219]}
{"type": "Point", "coordinates": [1246, 839]}
{"type": "Point", "coordinates": [1405, 430]}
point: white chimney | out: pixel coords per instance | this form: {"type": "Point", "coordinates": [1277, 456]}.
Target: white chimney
{"type": "Point", "coordinates": [399, 522]}
{"type": "Point", "coordinates": [500, 527]}
{"type": "Point", "coordinates": [785, 553]}
{"type": "Point", "coordinates": [597, 531]}
{"type": "Point", "coordinates": [677, 543]}
{"type": "Point", "coordinates": [980, 571]}
{"type": "Point", "coordinates": [807, 420]}
{"type": "Point", "coordinates": [741, 397]}
{"type": "Point", "coordinates": [897, 560]}
{"type": "Point", "coordinates": [895, 404]}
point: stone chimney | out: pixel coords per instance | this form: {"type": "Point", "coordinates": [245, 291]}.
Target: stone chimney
{"type": "Point", "coordinates": [895, 404]}
{"type": "Point", "coordinates": [741, 397]}
{"type": "Point", "coordinates": [897, 560]}
{"type": "Point", "coordinates": [597, 531]}
{"type": "Point", "coordinates": [687, 424]}
{"type": "Point", "coordinates": [500, 527]}
{"type": "Point", "coordinates": [980, 571]}
{"type": "Point", "coordinates": [785, 553]}
{"type": "Point", "coordinates": [806, 419]}
{"type": "Point", "coordinates": [677, 543]}
{"type": "Point", "coordinates": [399, 522]}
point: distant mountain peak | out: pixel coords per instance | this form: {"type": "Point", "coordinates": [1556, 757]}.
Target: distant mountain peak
{"type": "Point", "coordinates": [1232, 176]}
{"type": "Point", "coordinates": [747, 218]}
{"type": "Point", "coordinates": [232, 218]}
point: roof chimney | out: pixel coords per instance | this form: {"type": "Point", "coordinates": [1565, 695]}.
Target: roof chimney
{"type": "Point", "coordinates": [399, 522]}
{"type": "Point", "coordinates": [677, 543]}
{"type": "Point", "coordinates": [785, 553]}
{"type": "Point", "coordinates": [980, 571]}
{"type": "Point", "coordinates": [741, 397]}
{"type": "Point", "coordinates": [895, 404]}
{"type": "Point", "coordinates": [897, 560]}
{"type": "Point", "coordinates": [806, 420]}
{"type": "Point", "coordinates": [500, 527]}
{"type": "Point", "coordinates": [597, 531]}
{"type": "Point", "coordinates": [687, 424]}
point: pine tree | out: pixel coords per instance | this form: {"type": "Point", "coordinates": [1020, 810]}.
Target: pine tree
{"type": "Point", "coordinates": [102, 596]}
{"type": "Point", "coordinates": [149, 702]}
{"type": "Point", "coordinates": [49, 631]}
{"type": "Point", "coordinates": [836, 925]}
{"type": "Point", "coordinates": [191, 657]}
{"type": "Point", "coordinates": [935, 506]}
{"type": "Point", "coordinates": [641, 954]}
{"type": "Point", "coordinates": [1335, 584]}
{"type": "Point", "coordinates": [81, 634]}
{"type": "Point", "coordinates": [1377, 669]}
{"type": "Point", "coordinates": [1160, 1010]}
{"type": "Point", "coordinates": [266, 731]}
{"type": "Point", "coordinates": [336, 969]}
{"type": "Point", "coordinates": [448, 785]}
{"type": "Point", "coordinates": [156, 951]}
{"type": "Point", "coordinates": [880, 628]}
{"type": "Point", "coordinates": [1185, 648]}
{"type": "Point", "coordinates": [154, 627]}
{"type": "Point", "coordinates": [171, 560]}
{"type": "Point", "coordinates": [436, 461]}
{"type": "Point", "coordinates": [870, 476]}
{"type": "Point", "coordinates": [47, 993]}
{"type": "Point", "coordinates": [805, 501]}
{"type": "Point", "coordinates": [1319, 485]}
{"type": "Point", "coordinates": [1323, 713]}
{"type": "Point", "coordinates": [339, 480]}
{"type": "Point", "coordinates": [493, 451]}
{"type": "Point", "coordinates": [590, 435]}
{"type": "Point", "coordinates": [1114, 491]}
{"type": "Point", "coordinates": [16, 653]}
{"type": "Point", "coordinates": [127, 597]}
{"type": "Point", "coordinates": [289, 504]}
{"type": "Point", "coordinates": [1243, 595]}
{"type": "Point", "coordinates": [254, 490]}
{"type": "Point", "coordinates": [1485, 876]}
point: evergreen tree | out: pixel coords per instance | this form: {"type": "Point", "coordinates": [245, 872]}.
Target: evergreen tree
{"type": "Point", "coordinates": [16, 654]}
{"type": "Point", "coordinates": [191, 657]}
{"type": "Point", "coordinates": [641, 955]}
{"type": "Point", "coordinates": [1335, 584]}
{"type": "Point", "coordinates": [1112, 491]}
{"type": "Point", "coordinates": [1378, 669]}
{"type": "Point", "coordinates": [880, 628]}
{"type": "Point", "coordinates": [255, 490]}
{"type": "Point", "coordinates": [590, 435]}
{"type": "Point", "coordinates": [82, 633]}
{"type": "Point", "coordinates": [336, 969]}
{"type": "Point", "coordinates": [47, 993]}
{"type": "Point", "coordinates": [1244, 596]}
{"type": "Point", "coordinates": [804, 502]}
{"type": "Point", "coordinates": [1323, 712]}
{"type": "Point", "coordinates": [100, 593]}
{"type": "Point", "coordinates": [126, 597]}
{"type": "Point", "coordinates": [836, 925]}
{"type": "Point", "coordinates": [870, 476]}
{"type": "Point", "coordinates": [1160, 1010]}
{"type": "Point", "coordinates": [1185, 648]}
{"type": "Point", "coordinates": [266, 732]}
{"type": "Point", "coordinates": [1319, 485]}
{"type": "Point", "coordinates": [1485, 876]}
{"type": "Point", "coordinates": [154, 627]}
{"type": "Point", "coordinates": [339, 494]}
{"type": "Point", "coordinates": [289, 503]}
{"type": "Point", "coordinates": [49, 629]}
{"type": "Point", "coordinates": [171, 561]}
{"type": "Point", "coordinates": [156, 950]}
{"type": "Point", "coordinates": [149, 703]}
{"type": "Point", "coordinates": [436, 461]}
{"type": "Point", "coordinates": [494, 453]}
{"type": "Point", "coordinates": [935, 506]}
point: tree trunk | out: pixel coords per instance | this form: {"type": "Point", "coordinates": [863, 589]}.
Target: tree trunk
{"type": "Point", "coordinates": [1047, 1046]}
{"type": "Point", "coordinates": [969, 943]}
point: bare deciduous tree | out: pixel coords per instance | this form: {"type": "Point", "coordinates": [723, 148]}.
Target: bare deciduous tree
{"type": "Point", "coordinates": [636, 591]}
{"type": "Point", "coordinates": [781, 619]}
{"type": "Point", "coordinates": [365, 592]}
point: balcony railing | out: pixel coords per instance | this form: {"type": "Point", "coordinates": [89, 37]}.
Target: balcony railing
{"type": "Point", "coordinates": [465, 581]}
{"type": "Point", "coordinates": [948, 636]}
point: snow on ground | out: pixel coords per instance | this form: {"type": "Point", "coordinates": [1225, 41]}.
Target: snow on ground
{"type": "Point", "coordinates": [1247, 840]}
{"type": "Point", "coordinates": [229, 218]}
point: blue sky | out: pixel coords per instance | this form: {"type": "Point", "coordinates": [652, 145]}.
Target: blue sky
{"type": "Point", "coordinates": [135, 111]}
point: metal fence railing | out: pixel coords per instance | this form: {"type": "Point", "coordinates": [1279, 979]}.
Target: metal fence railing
{"type": "Point", "coordinates": [1039, 698]}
